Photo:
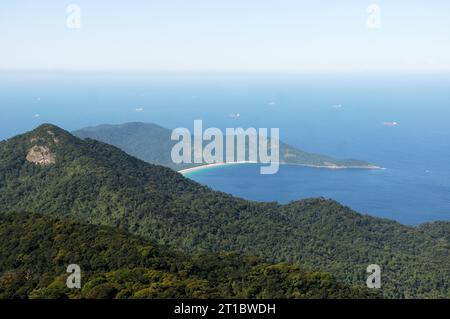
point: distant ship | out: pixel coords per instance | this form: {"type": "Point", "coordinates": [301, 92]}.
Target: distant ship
{"type": "Point", "coordinates": [390, 123]}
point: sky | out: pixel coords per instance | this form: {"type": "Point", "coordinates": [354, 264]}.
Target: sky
{"type": "Point", "coordinates": [226, 35]}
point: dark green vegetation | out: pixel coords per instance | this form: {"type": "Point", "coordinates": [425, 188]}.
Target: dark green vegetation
{"type": "Point", "coordinates": [152, 143]}
{"type": "Point", "coordinates": [35, 251]}
{"type": "Point", "coordinates": [439, 230]}
{"type": "Point", "coordinates": [99, 183]}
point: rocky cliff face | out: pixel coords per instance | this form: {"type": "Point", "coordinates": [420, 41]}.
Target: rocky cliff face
{"type": "Point", "coordinates": [41, 155]}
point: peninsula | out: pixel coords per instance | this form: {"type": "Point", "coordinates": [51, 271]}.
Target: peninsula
{"type": "Point", "coordinates": [152, 143]}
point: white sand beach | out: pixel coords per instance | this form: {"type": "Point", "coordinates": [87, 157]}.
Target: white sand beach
{"type": "Point", "coordinates": [201, 167]}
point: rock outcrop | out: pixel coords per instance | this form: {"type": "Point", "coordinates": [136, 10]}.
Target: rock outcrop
{"type": "Point", "coordinates": [41, 155]}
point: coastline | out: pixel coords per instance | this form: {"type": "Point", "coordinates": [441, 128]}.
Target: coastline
{"type": "Point", "coordinates": [371, 167]}
{"type": "Point", "coordinates": [202, 167]}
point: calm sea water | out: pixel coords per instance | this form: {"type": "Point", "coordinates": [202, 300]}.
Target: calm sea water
{"type": "Point", "coordinates": [393, 193]}
{"type": "Point", "coordinates": [413, 189]}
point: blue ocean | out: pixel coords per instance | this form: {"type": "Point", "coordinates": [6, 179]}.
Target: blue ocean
{"type": "Point", "coordinates": [341, 115]}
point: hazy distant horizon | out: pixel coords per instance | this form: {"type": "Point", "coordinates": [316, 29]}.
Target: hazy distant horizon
{"type": "Point", "coordinates": [200, 35]}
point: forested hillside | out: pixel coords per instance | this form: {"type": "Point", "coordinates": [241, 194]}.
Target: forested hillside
{"type": "Point", "coordinates": [51, 172]}
{"type": "Point", "coordinates": [438, 230]}
{"type": "Point", "coordinates": [35, 251]}
{"type": "Point", "coordinates": [152, 143]}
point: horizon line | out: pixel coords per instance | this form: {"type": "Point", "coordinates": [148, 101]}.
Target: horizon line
{"type": "Point", "coordinates": [219, 71]}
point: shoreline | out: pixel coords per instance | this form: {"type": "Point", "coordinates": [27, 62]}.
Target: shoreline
{"type": "Point", "coordinates": [202, 167]}
{"type": "Point", "coordinates": [371, 167]}
{"type": "Point", "coordinates": [205, 166]}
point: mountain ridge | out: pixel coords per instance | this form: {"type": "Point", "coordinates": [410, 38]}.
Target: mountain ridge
{"type": "Point", "coordinates": [94, 182]}
{"type": "Point", "coordinates": [119, 265]}
{"type": "Point", "coordinates": [151, 143]}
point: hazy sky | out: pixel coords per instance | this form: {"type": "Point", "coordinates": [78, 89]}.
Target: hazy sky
{"type": "Point", "coordinates": [226, 35]}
